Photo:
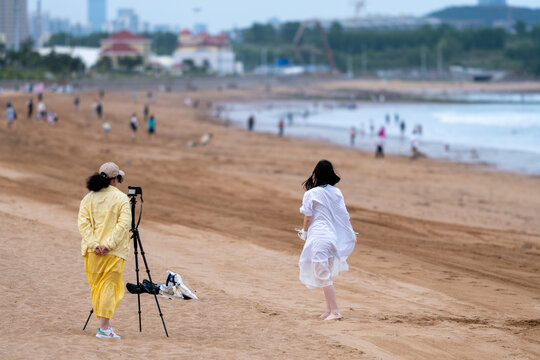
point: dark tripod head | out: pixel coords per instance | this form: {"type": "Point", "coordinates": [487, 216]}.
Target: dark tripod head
{"type": "Point", "coordinates": [134, 191]}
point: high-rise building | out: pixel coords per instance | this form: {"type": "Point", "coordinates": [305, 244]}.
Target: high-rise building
{"type": "Point", "coordinates": [200, 28]}
{"type": "Point", "coordinates": [13, 22]}
{"type": "Point", "coordinates": [126, 19]}
{"type": "Point", "coordinates": [491, 2]}
{"type": "Point", "coordinates": [97, 14]}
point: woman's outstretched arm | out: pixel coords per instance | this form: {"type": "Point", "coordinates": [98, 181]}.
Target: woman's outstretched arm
{"type": "Point", "coordinates": [307, 220]}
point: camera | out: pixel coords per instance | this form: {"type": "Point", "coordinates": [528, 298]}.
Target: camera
{"type": "Point", "coordinates": [134, 190]}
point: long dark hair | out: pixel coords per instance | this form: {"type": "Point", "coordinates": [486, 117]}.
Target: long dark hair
{"type": "Point", "coordinates": [97, 182]}
{"type": "Point", "coordinates": [323, 174]}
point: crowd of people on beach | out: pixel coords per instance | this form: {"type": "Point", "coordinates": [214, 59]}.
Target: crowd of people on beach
{"type": "Point", "coordinates": [379, 135]}
{"type": "Point", "coordinates": [42, 113]}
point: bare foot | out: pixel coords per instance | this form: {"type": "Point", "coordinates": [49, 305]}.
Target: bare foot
{"type": "Point", "coordinates": [325, 315]}
{"type": "Point", "coordinates": [334, 317]}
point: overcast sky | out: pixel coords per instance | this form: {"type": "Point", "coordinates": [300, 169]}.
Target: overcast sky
{"type": "Point", "coordinates": [225, 14]}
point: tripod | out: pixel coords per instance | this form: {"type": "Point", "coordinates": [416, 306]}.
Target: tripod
{"type": "Point", "coordinates": [133, 192]}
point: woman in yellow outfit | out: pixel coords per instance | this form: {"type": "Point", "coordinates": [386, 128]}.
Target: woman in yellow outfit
{"type": "Point", "coordinates": [104, 223]}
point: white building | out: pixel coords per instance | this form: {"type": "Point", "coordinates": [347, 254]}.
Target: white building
{"type": "Point", "coordinates": [88, 55]}
{"type": "Point", "coordinates": [206, 51]}
{"type": "Point", "coordinates": [383, 23]}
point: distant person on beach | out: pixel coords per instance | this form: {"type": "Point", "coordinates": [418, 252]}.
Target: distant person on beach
{"type": "Point", "coordinates": [352, 133]}
{"type": "Point", "coordinates": [151, 128]}
{"type": "Point", "coordinates": [415, 152]}
{"type": "Point", "coordinates": [99, 109]}
{"type": "Point", "coordinates": [107, 128]}
{"type": "Point", "coordinates": [52, 118]}
{"type": "Point", "coordinates": [104, 222]}
{"type": "Point", "coordinates": [371, 127]}
{"type": "Point", "coordinates": [281, 127]}
{"type": "Point", "coordinates": [402, 127]}
{"type": "Point", "coordinates": [134, 125]}
{"type": "Point", "coordinates": [146, 112]}
{"type": "Point", "coordinates": [362, 130]}
{"type": "Point", "coordinates": [76, 102]}
{"type": "Point", "coordinates": [29, 108]}
{"type": "Point", "coordinates": [41, 110]}
{"type": "Point", "coordinates": [418, 129]}
{"type": "Point", "coordinates": [251, 122]}
{"type": "Point", "coordinates": [379, 143]}
{"type": "Point", "coordinates": [11, 116]}
{"type": "Point", "coordinates": [328, 235]}
{"type": "Point", "coordinates": [290, 117]}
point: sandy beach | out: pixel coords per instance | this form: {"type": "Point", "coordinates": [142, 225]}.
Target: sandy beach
{"type": "Point", "coordinates": [447, 264]}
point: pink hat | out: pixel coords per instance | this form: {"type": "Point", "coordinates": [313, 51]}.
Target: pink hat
{"type": "Point", "coordinates": [111, 170]}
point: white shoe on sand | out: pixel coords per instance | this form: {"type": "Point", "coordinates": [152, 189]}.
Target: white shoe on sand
{"type": "Point", "coordinates": [107, 334]}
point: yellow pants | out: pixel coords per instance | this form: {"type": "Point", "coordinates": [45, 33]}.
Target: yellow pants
{"type": "Point", "coordinates": [104, 275]}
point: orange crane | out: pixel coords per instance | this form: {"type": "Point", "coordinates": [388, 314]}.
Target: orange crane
{"type": "Point", "coordinates": [326, 45]}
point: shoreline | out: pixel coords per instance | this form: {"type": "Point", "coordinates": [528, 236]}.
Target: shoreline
{"type": "Point", "coordinates": [495, 159]}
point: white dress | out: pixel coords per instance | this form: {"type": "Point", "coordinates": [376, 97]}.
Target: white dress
{"type": "Point", "coordinates": [330, 236]}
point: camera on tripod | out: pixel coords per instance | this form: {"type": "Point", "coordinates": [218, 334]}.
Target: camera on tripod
{"type": "Point", "coordinates": [134, 190]}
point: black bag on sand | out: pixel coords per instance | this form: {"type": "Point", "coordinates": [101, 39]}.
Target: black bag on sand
{"type": "Point", "coordinates": [145, 287]}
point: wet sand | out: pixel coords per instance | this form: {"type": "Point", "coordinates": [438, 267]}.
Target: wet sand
{"type": "Point", "coordinates": [446, 264]}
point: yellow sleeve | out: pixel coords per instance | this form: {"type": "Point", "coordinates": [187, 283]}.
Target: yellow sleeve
{"type": "Point", "coordinates": [121, 229]}
{"type": "Point", "coordinates": [85, 226]}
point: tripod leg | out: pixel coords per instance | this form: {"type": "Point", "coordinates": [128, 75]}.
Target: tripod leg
{"type": "Point", "coordinates": [150, 279]}
{"type": "Point", "coordinates": [87, 320]}
{"type": "Point", "coordinates": [135, 236]}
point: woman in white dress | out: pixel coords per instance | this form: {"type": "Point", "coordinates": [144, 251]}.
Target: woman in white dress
{"type": "Point", "coordinates": [328, 233]}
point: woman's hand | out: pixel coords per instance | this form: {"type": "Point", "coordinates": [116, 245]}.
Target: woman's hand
{"type": "Point", "coordinates": [302, 234]}
{"type": "Point", "coordinates": [101, 250]}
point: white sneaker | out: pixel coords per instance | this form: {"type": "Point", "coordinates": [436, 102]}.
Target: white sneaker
{"type": "Point", "coordinates": [108, 334]}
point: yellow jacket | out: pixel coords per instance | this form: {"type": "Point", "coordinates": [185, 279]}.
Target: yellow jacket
{"type": "Point", "coordinates": [105, 220]}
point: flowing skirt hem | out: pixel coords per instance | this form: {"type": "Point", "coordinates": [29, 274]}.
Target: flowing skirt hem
{"type": "Point", "coordinates": [317, 274]}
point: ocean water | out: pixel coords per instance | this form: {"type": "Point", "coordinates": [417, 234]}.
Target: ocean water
{"type": "Point", "coordinates": [505, 135]}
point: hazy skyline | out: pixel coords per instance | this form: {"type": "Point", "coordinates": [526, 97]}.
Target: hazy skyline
{"type": "Point", "coordinates": [223, 15]}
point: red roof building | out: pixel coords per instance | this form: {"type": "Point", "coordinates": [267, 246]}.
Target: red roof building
{"type": "Point", "coordinates": [125, 44]}
{"type": "Point", "coordinates": [201, 40]}
{"type": "Point", "coordinates": [213, 53]}
{"type": "Point", "coordinates": [125, 35]}
{"type": "Point", "coordinates": [120, 49]}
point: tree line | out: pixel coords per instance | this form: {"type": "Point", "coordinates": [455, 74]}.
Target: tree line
{"type": "Point", "coordinates": [371, 50]}
{"type": "Point", "coordinates": [26, 63]}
